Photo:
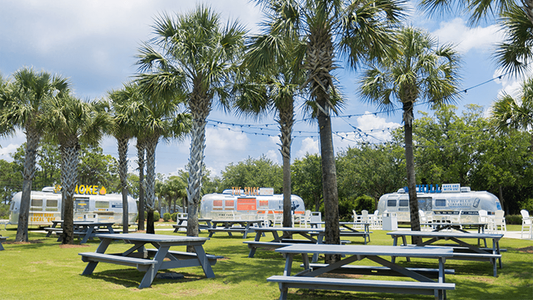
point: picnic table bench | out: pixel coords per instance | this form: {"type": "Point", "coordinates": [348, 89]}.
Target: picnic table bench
{"type": "Point", "coordinates": [308, 277]}
{"type": "Point", "coordinates": [150, 261]}
{"type": "Point", "coordinates": [461, 249]}
{"type": "Point", "coordinates": [2, 239]}
{"type": "Point", "coordinates": [245, 226]}
{"type": "Point", "coordinates": [4, 222]}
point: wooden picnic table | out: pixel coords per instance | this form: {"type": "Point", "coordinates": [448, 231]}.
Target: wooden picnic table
{"type": "Point", "coordinates": [348, 229]}
{"type": "Point", "coordinates": [245, 226]}
{"type": "Point", "coordinates": [308, 278]}
{"type": "Point", "coordinates": [151, 261]}
{"type": "Point", "coordinates": [279, 241]}
{"type": "Point", "coordinates": [2, 239]}
{"type": "Point", "coordinates": [182, 223]}
{"type": "Point", "coordinates": [462, 249]}
{"type": "Point", "coordinates": [85, 230]}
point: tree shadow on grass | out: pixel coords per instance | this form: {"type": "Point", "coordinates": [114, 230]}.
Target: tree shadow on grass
{"type": "Point", "coordinates": [131, 278]}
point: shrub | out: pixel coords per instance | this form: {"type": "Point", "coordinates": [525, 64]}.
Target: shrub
{"type": "Point", "coordinates": [166, 217]}
{"type": "Point", "coordinates": [513, 219]}
{"type": "Point", "coordinates": [157, 216]}
{"type": "Point", "coordinates": [526, 204]}
{"type": "Point", "coordinates": [364, 203]}
{"type": "Point", "coordinates": [174, 217]}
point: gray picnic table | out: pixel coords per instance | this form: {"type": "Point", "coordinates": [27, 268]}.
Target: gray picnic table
{"type": "Point", "coordinates": [310, 236]}
{"type": "Point", "coordinates": [424, 283]}
{"type": "Point", "coordinates": [182, 223]}
{"type": "Point", "coordinates": [439, 226]}
{"type": "Point", "coordinates": [85, 230]}
{"type": "Point", "coordinates": [150, 261]}
{"type": "Point", "coordinates": [245, 226]}
{"type": "Point", "coordinates": [348, 229]}
{"type": "Point", "coordinates": [462, 249]}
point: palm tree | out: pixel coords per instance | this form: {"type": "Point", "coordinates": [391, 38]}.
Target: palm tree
{"type": "Point", "coordinates": [422, 72]}
{"type": "Point", "coordinates": [516, 16]}
{"type": "Point", "coordinates": [275, 76]}
{"type": "Point", "coordinates": [353, 29]}
{"type": "Point", "coordinates": [123, 129]}
{"type": "Point", "coordinates": [197, 59]}
{"type": "Point", "coordinates": [68, 121]}
{"type": "Point", "coordinates": [156, 117]}
{"type": "Point", "coordinates": [22, 107]}
{"type": "Point", "coordinates": [509, 113]}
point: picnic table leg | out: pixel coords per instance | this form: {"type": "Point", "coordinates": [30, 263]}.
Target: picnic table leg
{"type": "Point", "coordinates": [204, 262]}
{"type": "Point", "coordinates": [152, 270]}
{"type": "Point", "coordinates": [92, 264]}
{"type": "Point", "coordinates": [88, 234]}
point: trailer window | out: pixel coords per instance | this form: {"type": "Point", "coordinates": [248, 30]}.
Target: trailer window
{"type": "Point", "coordinates": [36, 204]}
{"type": "Point", "coordinates": [404, 202]}
{"type": "Point", "coordinates": [51, 205]}
{"type": "Point", "coordinates": [391, 202]}
{"type": "Point", "coordinates": [440, 202]}
{"type": "Point", "coordinates": [217, 204]}
{"type": "Point", "coordinates": [101, 204]}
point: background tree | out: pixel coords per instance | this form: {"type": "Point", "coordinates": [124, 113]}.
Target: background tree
{"type": "Point", "coordinates": [307, 180]}
{"type": "Point", "coordinates": [509, 113]}
{"type": "Point", "coordinates": [261, 172]}
{"type": "Point", "coordinates": [69, 121]}
{"type": "Point", "coordinates": [198, 58]}
{"type": "Point", "coordinates": [368, 169]}
{"type": "Point", "coordinates": [21, 106]}
{"type": "Point", "coordinates": [423, 72]}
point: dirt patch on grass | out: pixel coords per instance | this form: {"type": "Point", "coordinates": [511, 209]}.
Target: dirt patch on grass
{"type": "Point", "coordinates": [72, 246]}
{"type": "Point", "coordinates": [526, 249]}
{"type": "Point", "coordinates": [333, 275]}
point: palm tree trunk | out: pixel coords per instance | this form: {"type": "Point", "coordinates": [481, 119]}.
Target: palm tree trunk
{"type": "Point", "coordinates": [123, 173]}
{"type": "Point", "coordinates": [69, 156]}
{"type": "Point", "coordinates": [140, 162]}
{"type": "Point", "coordinates": [32, 142]}
{"type": "Point", "coordinates": [410, 164]}
{"type": "Point", "coordinates": [286, 120]}
{"type": "Point", "coordinates": [200, 106]}
{"type": "Point", "coordinates": [329, 180]}
{"type": "Point", "coordinates": [151, 144]}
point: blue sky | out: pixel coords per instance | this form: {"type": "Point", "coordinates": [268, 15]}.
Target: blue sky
{"type": "Point", "coordinates": [94, 43]}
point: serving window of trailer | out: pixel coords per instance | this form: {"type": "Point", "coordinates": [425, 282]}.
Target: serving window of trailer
{"type": "Point", "coordinates": [404, 205]}
{"type": "Point", "coordinates": [52, 205]}
{"type": "Point", "coordinates": [36, 204]}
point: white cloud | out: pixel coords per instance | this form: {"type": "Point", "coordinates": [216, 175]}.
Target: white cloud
{"type": "Point", "coordinates": [308, 146]}
{"type": "Point", "coordinates": [466, 38]}
{"type": "Point", "coordinates": [5, 151]}
{"type": "Point", "coordinates": [274, 156]}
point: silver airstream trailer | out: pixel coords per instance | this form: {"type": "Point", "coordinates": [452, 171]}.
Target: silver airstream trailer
{"type": "Point", "coordinates": [249, 202]}
{"type": "Point", "coordinates": [447, 200]}
{"type": "Point", "coordinates": [90, 203]}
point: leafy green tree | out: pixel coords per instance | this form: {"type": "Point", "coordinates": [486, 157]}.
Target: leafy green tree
{"type": "Point", "coordinates": [261, 172]}
{"type": "Point", "coordinates": [371, 170]}
{"type": "Point", "coordinates": [198, 60]}
{"type": "Point", "coordinates": [10, 181]}
{"type": "Point", "coordinates": [69, 121]}
{"type": "Point", "coordinates": [423, 72]}
{"type": "Point", "coordinates": [97, 168]}
{"type": "Point", "coordinates": [21, 106]}
{"type": "Point", "coordinates": [354, 30]}
{"type": "Point", "coordinates": [307, 180]}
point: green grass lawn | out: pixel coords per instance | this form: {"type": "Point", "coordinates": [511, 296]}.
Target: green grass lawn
{"type": "Point", "coordinates": [44, 269]}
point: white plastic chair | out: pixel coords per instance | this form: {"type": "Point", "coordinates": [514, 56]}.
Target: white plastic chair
{"type": "Point", "coordinates": [278, 220]}
{"type": "Point", "coordinates": [423, 220]}
{"type": "Point", "coordinates": [356, 218]}
{"type": "Point", "coordinates": [306, 219]}
{"type": "Point", "coordinates": [499, 221]}
{"type": "Point", "coordinates": [526, 223]}
{"type": "Point", "coordinates": [376, 220]}
{"type": "Point", "coordinates": [316, 216]}
{"type": "Point", "coordinates": [484, 218]}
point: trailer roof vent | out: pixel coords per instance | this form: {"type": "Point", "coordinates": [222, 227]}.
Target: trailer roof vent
{"type": "Point", "coordinates": [465, 189]}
